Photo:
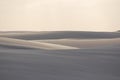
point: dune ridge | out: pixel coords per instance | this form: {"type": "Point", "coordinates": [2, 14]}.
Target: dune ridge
{"type": "Point", "coordinates": [31, 44]}
{"type": "Point", "coordinates": [85, 43]}
{"type": "Point", "coordinates": [61, 35]}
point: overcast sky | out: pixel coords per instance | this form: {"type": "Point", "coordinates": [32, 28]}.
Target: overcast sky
{"type": "Point", "coordinates": [87, 15]}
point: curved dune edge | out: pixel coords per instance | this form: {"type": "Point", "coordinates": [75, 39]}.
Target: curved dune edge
{"type": "Point", "coordinates": [86, 43]}
{"type": "Point", "coordinates": [26, 35]}
{"type": "Point", "coordinates": [32, 44]}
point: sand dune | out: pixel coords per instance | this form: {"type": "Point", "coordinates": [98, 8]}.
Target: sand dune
{"type": "Point", "coordinates": [21, 33]}
{"type": "Point", "coordinates": [17, 43]}
{"type": "Point", "coordinates": [59, 65]}
{"type": "Point", "coordinates": [31, 58]}
{"type": "Point", "coordinates": [85, 43]}
{"type": "Point", "coordinates": [61, 35]}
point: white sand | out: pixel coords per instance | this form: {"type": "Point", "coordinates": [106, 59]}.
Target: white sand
{"type": "Point", "coordinates": [97, 59]}
{"type": "Point", "coordinates": [32, 44]}
{"type": "Point", "coordinates": [84, 43]}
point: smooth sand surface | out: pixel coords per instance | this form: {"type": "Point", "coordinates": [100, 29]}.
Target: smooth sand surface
{"type": "Point", "coordinates": [59, 65]}
{"type": "Point", "coordinates": [29, 57]}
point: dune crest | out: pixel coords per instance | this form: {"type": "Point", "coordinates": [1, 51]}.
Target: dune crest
{"type": "Point", "coordinates": [32, 44]}
{"type": "Point", "coordinates": [61, 35]}
{"type": "Point", "coordinates": [85, 43]}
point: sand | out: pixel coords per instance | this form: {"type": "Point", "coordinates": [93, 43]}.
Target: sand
{"type": "Point", "coordinates": [29, 58]}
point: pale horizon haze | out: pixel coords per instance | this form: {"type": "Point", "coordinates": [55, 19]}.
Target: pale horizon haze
{"type": "Point", "coordinates": [59, 15]}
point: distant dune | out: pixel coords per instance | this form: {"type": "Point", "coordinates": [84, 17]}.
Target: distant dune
{"type": "Point", "coordinates": [61, 35]}
{"type": "Point", "coordinates": [17, 43]}
{"type": "Point", "coordinates": [59, 39]}
{"type": "Point", "coordinates": [118, 31]}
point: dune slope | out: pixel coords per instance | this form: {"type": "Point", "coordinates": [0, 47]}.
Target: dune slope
{"type": "Point", "coordinates": [59, 65]}
{"type": "Point", "coordinates": [9, 42]}
{"type": "Point", "coordinates": [85, 43]}
{"type": "Point", "coordinates": [96, 59]}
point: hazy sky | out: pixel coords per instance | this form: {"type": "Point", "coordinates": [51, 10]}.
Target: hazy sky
{"type": "Point", "coordinates": [88, 15]}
